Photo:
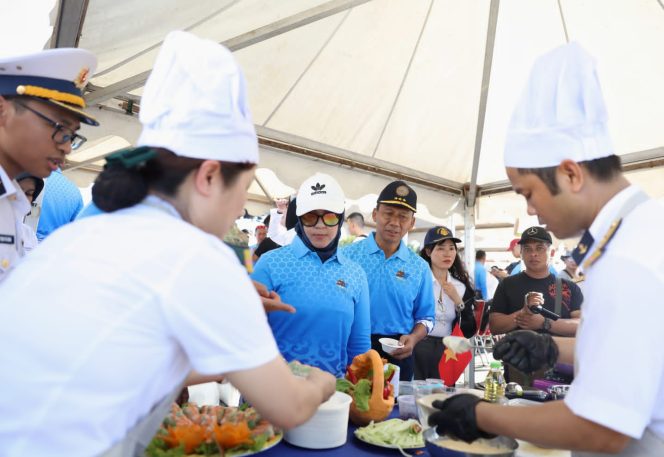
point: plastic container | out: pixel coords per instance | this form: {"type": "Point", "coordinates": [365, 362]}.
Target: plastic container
{"type": "Point", "coordinates": [327, 428]}
{"type": "Point", "coordinates": [407, 407]}
{"type": "Point", "coordinates": [204, 394]}
{"type": "Point", "coordinates": [406, 388]}
{"type": "Point", "coordinates": [494, 384]}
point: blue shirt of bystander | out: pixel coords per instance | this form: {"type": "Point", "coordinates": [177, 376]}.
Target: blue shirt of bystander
{"type": "Point", "coordinates": [401, 287]}
{"type": "Point", "coordinates": [480, 280]}
{"type": "Point", "coordinates": [62, 203]}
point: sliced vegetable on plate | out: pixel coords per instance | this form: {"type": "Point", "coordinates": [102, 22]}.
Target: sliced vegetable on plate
{"type": "Point", "coordinates": [393, 433]}
{"type": "Point", "coordinates": [193, 430]}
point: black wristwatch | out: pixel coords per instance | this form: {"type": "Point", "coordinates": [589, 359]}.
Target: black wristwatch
{"type": "Point", "coordinates": [546, 326]}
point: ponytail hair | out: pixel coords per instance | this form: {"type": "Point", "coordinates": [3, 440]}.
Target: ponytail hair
{"type": "Point", "coordinates": [130, 174]}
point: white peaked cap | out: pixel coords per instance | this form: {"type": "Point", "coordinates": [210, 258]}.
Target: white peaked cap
{"type": "Point", "coordinates": [561, 114]}
{"type": "Point", "coordinates": [320, 191]}
{"type": "Point", "coordinates": [195, 102]}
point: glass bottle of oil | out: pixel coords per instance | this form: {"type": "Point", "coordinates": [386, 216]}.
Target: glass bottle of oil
{"type": "Point", "coordinates": [494, 384]}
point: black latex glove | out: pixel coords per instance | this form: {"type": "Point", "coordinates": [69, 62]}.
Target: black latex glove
{"type": "Point", "coordinates": [526, 350]}
{"type": "Point", "coordinates": [456, 418]}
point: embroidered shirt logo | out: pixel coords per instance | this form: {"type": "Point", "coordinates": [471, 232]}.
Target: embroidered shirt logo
{"type": "Point", "coordinates": [401, 274]}
{"type": "Point", "coordinates": [318, 189]}
{"type": "Point", "coordinates": [341, 283]}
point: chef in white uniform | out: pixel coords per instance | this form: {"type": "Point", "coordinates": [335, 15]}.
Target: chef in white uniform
{"type": "Point", "coordinates": [559, 156]}
{"type": "Point", "coordinates": [112, 313]}
{"type": "Point", "coordinates": [41, 103]}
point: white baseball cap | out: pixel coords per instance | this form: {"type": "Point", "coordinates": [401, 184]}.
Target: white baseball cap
{"type": "Point", "coordinates": [195, 102]}
{"type": "Point", "coordinates": [320, 191]}
{"type": "Point", "coordinates": [561, 114]}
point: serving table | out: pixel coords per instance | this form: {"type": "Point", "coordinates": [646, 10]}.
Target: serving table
{"type": "Point", "coordinates": [357, 448]}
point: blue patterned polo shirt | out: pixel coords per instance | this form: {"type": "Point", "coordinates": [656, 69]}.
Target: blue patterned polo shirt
{"type": "Point", "coordinates": [332, 324]}
{"type": "Point", "coordinates": [401, 288]}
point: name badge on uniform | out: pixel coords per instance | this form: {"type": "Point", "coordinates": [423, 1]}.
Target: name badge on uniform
{"type": "Point", "coordinates": [6, 239]}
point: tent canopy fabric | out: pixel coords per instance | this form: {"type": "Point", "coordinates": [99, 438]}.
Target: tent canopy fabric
{"type": "Point", "coordinates": [373, 90]}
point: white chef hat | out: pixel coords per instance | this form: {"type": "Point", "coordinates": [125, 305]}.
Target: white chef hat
{"type": "Point", "coordinates": [320, 191]}
{"type": "Point", "coordinates": [195, 102]}
{"type": "Point", "coordinates": [561, 114]}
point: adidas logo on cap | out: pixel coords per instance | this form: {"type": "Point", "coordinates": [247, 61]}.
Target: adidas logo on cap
{"type": "Point", "coordinates": [318, 189]}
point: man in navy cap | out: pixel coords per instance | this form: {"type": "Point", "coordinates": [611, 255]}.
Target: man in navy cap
{"type": "Point", "coordinates": [41, 103]}
{"type": "Point", "coordinates": [400, 284]}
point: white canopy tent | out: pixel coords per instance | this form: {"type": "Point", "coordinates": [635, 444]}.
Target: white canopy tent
{"type": "Point", "coordinates": [372, 90]}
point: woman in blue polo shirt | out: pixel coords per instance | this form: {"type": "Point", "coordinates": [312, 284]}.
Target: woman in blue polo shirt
{"type": "Point", "coordinates": [453, 293]}
{"type": "Point", "coordinates": [330, 293]}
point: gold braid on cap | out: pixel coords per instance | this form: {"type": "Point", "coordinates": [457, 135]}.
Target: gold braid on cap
{"type": "Point", "coordinates": [41, 92]}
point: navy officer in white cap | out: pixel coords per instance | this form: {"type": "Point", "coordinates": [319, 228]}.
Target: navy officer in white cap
{"type": "Point", "coordinates": [158, 297]}
{"type": "Point", "coordinates": [41, 109]}
{"type": "Point", "coordinates": [559, 156]}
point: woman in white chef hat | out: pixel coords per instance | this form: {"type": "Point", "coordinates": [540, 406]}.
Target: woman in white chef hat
{"type": "Point", "coordinates": [113, 312]}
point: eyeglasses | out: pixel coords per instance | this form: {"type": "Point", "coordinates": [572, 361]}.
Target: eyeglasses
{"type": "Point", "coordinates": [536, 249]}
{"type": "Point", "coordinates": [329, 219]}
{"type": "Point", "coordinates": [62, 134]}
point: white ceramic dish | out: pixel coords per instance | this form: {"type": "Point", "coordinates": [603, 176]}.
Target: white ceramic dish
{"type": "Point", "coordinates": [390, 345]}
{"type": "Point", "coordinates": [327, 428]}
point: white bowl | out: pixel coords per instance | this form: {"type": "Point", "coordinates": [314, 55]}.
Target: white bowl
{"type": "Point", "coordinates": [327, 428]}
{"type": "Point", "coordinates": [390, 345]}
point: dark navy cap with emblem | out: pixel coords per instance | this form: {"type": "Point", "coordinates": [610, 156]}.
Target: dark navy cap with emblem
{"type": "Point", "coordinates": [537, 234]}
{"type": "Point", "coordinates": [398, 193]}
{"type": "Point", "coordinates": [437, 234]}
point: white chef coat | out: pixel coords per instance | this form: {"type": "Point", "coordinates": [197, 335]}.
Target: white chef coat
{"type": "Point", "coordinates": [620, 365]}
{"type": "Point", "coordinates": [108, 316]}
{"type": "Point", "coordinates": [14, 205]}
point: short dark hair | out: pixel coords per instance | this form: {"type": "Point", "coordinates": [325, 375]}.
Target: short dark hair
{"type": "Point", "coordinates": [480, 254]}
{"type": "Point", "coordinates": [357, 218]}
{"type": "Point", "coordinates": [603, 169]}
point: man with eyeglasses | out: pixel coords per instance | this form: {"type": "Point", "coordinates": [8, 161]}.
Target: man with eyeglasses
{"type": "Point", "coordinates": [400, 283]}
{"type": "Point", "coordinates": [41, 102]}
{"type": "Point", "coordinates": [515, 297]}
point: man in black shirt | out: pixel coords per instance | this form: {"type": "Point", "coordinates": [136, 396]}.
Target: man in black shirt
{"type": "Point", "coordinates": [513, 298]}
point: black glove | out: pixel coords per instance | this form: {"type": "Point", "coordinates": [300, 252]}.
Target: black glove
{"type": "Point", "coordinates": [457, 418]}
{"type": "Point", "coordinates": [526, 350]}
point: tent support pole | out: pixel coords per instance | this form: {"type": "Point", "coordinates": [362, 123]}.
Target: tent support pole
{"type": "Point", "coordinates": [469, 258]}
